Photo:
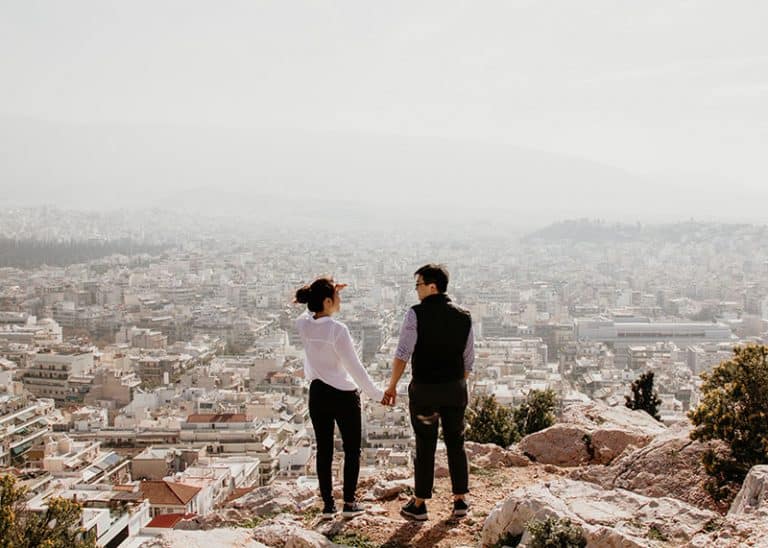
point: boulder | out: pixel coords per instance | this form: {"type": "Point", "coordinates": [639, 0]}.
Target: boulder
{"type": "Point", "coordinates": [609, 518]}
{"type": "Point", "coordinates": [275, 498]}
{"type": "Point", "coordinates": [594, 415]}
{"type": "Point", "coordinates": [591, 433]}
{"type": "Point", "coordinates": [647, 470]}
{"type": "Point", "coordinates": [490, 455]}
{"type": "Point", "coordinates": [241, 538]}
{"type": "Point", "coordinates": [385, 490]}
{"type": "Point", "coordinates": [746, 523]}
{"type": "Point", "coordinates": [753, 496]}
{"type": "Point", "coordinates": [285, 532]}
{"type": "Point", "coordinates": [561, 444]}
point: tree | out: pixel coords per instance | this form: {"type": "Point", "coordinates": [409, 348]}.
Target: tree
{"type": "Point", "coordinates": [734, 408]}
{"type": "Point", "coordinates": [490, 422]}
{"type": "Point", "coordinates": [643, 397]}
{"type": "Point", "coordinates": [57, 527]}
{"type": "Point", "coordinates": [537, 412]}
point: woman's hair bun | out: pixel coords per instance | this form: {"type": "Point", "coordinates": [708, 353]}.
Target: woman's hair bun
{"type": "Point", "coordinates": [302, 294]}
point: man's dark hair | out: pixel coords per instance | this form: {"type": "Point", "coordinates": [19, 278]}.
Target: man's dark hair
{"type": "Point", "coordinates": [434, 274]}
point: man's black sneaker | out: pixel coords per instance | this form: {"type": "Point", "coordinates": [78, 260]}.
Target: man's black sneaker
{"type": "Point", "coordinates": [352, 509]}
{"type": "Point", "coordinates": [460, 508]}
{"type": "Point", "coordinates": [419, 513]}
{"type": "Point", "coordinates": [329, 510]}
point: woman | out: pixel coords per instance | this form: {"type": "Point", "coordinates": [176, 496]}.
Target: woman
{"type": "Point", "coordinates": [335, 373]}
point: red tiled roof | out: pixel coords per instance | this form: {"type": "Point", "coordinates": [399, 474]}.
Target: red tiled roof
{"type": "Point", "coordinates": [216, 417]}
{"type": "Point", "coordinates": [168, 521]}
{"type": "Point", "coordinates": [167, 493]}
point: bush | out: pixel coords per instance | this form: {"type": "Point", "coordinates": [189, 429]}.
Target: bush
{"type": "Point", "coordinates": [537, 412]}
{"type": "Point", "coordinates": [490, 422]}
{"type": "Point", "coordinates": [555, 533]}
{"type": "Point", "coordinates": [734, 408]}
{"type": "Point", "coordinates": [643, 396]}
{"type": "Point", "coordinates": [57, 527]}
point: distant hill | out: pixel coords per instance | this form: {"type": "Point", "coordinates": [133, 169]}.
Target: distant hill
{"type": "Point", "coordinates": [586, 230]}
{"type": "Point", "coordinates": [583, 230]}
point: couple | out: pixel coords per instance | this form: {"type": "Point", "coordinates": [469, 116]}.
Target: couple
{"type": "Point", "coordinates": [436, 336]}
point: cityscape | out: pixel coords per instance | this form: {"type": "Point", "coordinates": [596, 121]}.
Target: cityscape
{"type": "Point", "coordinates": [168, 381]}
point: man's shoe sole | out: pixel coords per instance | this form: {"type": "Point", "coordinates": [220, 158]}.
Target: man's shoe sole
{"type": "Point", "coordinates": [417, 517]}
{"type": "Point", "coordinates": [460, 513]}
{"type": "Point", "coordinates": [327, 516]}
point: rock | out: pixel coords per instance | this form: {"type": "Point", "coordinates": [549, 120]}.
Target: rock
{"type": "Point", "coordinates": [274, 498]}
{"type": "Point", "coordinates": [278, 531]}
{"type": "Point", "coordinates": [302, 538]}
{"type": "Point", "coordinates": [647, 470]}
{"type": "Point", "coordinates": [753, 496]}
{"type": "Point", "coordinates": [610, 518]}
{"type": "Point", "coordinates": [204, 539]}
{"type": "Point", "coordinates": [389, 489]}
{"type": "Point", "coordinates": [560, 444]}
{"type": "Point", "coordinates": [590, 433]}
{"type": "Point", "coordinates": [490, 455]}
{"type": "Point", "coordinates": [595, 415]}
{"type": "Point", "coordinates": [746, 523]}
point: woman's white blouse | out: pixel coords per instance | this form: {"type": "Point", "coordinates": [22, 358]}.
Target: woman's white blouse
{"type": "Point", "coordinates": [330, 355]}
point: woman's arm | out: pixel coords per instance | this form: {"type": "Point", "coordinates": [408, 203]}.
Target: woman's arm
{"type": "Point", "coordinates": [346, 351]}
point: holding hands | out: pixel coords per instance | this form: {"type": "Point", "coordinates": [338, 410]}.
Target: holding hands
{"type": "Point", "coordinates": [390, 394]}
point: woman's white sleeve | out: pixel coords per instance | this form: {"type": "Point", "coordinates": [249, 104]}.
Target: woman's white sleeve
{"type": "Point", "coordinates": [346, 350]}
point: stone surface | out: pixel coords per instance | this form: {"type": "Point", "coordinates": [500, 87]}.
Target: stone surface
{"type": "Point", "coordinates": [747, 521]}
{"type": "Point", "coordinates": [384, 490]}
{"type": "Point", "coordinates": [240, 538]}
{"type": "Point", "coordinates": [490, 455]}
{"type": "Point", "coordinates": [594, 415]}
{"type": "Point", "coordinates": [753, 496]}
{"type": "Point", "coordinates": [590, 433]}
{"type": "Point", "coordinates": [561, 444]}
{"type": "Point", "coordinates": [610, 518]}
{"type": "Point", "coordinates": [287, 532]}
{"type": "Point", "coordinates": [648, 470]}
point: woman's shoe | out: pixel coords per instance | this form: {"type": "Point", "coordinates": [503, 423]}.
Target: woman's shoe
{"type": "Point", "coordinates": [329, 510]}
{"type": "Point", "coordinates": [460, 508]}
{"type": "Point", "coordinates": [352, 509]}
{"type": "Point", "coordinates": [419, 513]}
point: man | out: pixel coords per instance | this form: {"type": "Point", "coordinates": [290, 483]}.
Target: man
{"type": "Point", "coordinates": [437, 337]}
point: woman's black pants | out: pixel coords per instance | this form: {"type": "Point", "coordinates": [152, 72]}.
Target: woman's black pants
{"type": "Point", "coordinates": [329, 406]}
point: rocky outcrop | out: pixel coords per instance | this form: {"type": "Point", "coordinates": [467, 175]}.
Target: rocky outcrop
{"type": "Point", "coordinates": [241, 538]}
{"type": "Point", "coordinates": [609, 518]}
{"type": "Point", "coordinates": [648, 470]}
{"type": "Point", "coordinates": [490, 455]}
{"type": "Point", "coordinates": [268, 501]}
{"type": "Point", "coordinates": [592, 433]}
{"type": "Point", "coordinates": [746, 523]}
{"type": "Point", "coordinates": [284, 532]}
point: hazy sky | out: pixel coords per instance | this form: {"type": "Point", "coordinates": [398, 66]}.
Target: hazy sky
{"type": "Point", "coordinates": [667, 88]}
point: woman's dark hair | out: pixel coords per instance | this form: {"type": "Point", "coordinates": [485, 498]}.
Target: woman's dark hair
{"type": "Point", "coordinates": [315, 293]}
{"type": "Point", "coordinates": [434, 274]}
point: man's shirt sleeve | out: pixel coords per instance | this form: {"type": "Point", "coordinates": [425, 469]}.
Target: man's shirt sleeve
{"type": "Point", "coordinates": [407, 341]}
{"type": "Point", "coordinates": [469, 350]}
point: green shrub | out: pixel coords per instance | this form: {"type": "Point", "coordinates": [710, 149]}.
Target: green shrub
{"type": "Point", "coordinates": [734, 408]}
{"type": "Point", "coordinates": [555, 533]}
{"type": "Point", "coordinates": [537, 412]}
{"type": "Point", "coordinates": [59, 526]}
{"type": "Point", "coordinates": [490, 422]}
{"type": "Point", "coordinates": [643, 396]}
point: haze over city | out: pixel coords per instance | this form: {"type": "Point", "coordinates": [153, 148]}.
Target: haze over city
{"type": "Point", "coordinates": [540, 111]}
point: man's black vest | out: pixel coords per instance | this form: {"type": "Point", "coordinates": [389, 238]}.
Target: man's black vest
{"type": "Point", "coordinates": [442, 330]}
